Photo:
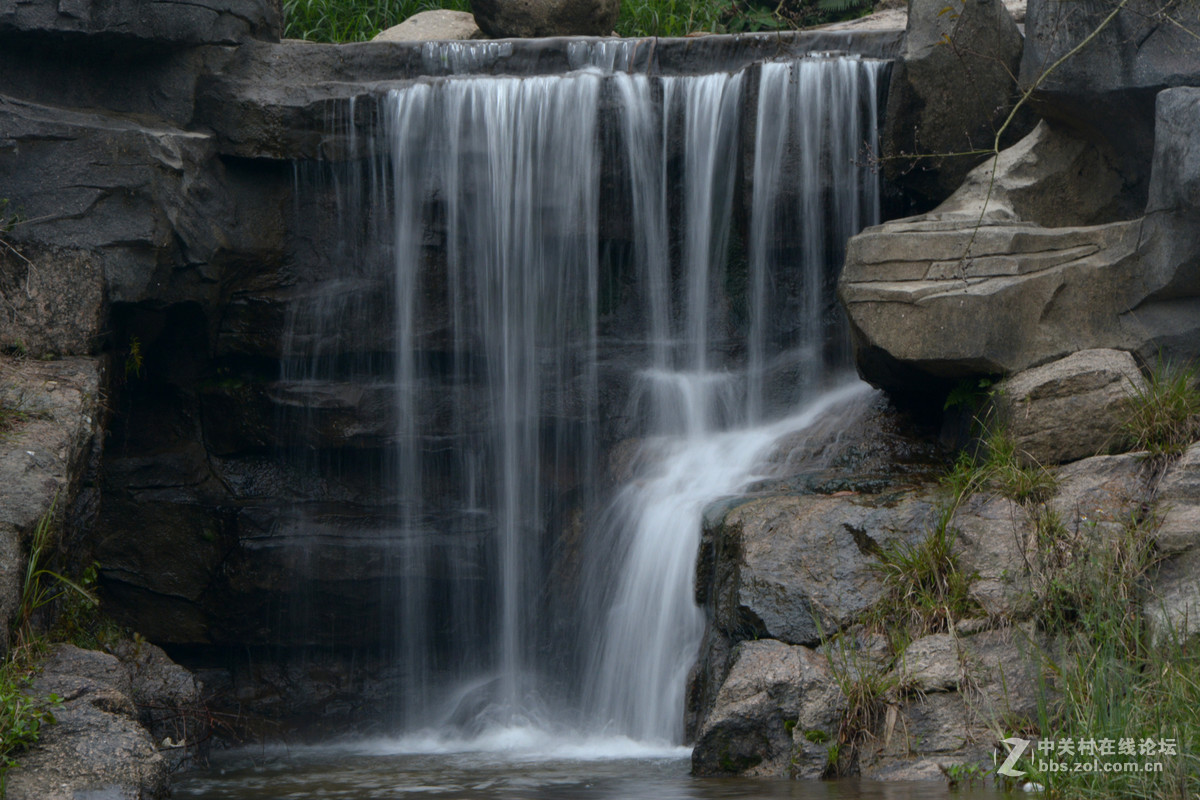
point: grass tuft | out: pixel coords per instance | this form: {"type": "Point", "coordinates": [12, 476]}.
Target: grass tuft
{"type": "Point", "coordinates": [1164, 417]}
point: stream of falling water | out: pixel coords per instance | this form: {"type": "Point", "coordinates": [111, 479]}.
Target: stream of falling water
{"type": "Point", "coordinates": [527, 347]}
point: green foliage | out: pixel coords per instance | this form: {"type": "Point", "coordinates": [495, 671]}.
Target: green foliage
{"type": "Point", "coordinates": [21, 716]}
{"type": "Point", "coordinates": [963, 774]}
{"type": "Point", "coordinates": [1111, 681]}
{"type": "Point", "coordinates": [865, 685]}
{"type": "Point", "coordinates": [672, 17]}
{"type": "Point", "coordinates": [134, 358]}
{"type": "Point", "coordinates": [927, 590]}
{"type": "Point", "coordinates": [41, 585]}
{"type": "Point", "coordinates": [361, 20]}
{"type": "Point", "coordinates": [1164, 417]}
{"type": "Point", "coordinates": [999, 465]}
{"type": "Point", "coordinates": [353, 20]}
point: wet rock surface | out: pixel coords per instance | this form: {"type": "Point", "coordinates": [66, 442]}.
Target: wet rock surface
{"type": "Point", "coordinates": [502, 19]}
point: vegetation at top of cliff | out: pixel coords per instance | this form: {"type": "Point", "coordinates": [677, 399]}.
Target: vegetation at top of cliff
{"type": "Point", "coordinates": [361, 20]}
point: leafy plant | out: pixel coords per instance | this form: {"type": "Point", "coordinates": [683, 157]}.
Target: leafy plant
{"type": "Point", "coordinates": [1164, 415]}
{"type": "Point", "coordinates": [22, 717]}
{"type": "Point", "coordinates": [353, 20]}
{"type": "Point", "coordinates": [36, 590]}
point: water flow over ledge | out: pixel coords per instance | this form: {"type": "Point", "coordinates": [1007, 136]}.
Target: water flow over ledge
{"type": "Point", "coordinates": [543, 317]}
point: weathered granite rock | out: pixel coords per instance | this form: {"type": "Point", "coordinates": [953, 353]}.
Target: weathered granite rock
{"type": "Point", "coordinates": [436, 25]}
{"type": "Point", "coordinates": [1177, 501]}
{"type": "Point", "coordinates": [503, 19]}
{"type": "Point", "coordinates": [959, 293]}
{"type": "Point", "coordinates": [796, 567]}
{"type": "Point", "coordinates": [1050, 176]}
{"type": "Point", "coordinates": [774, 695]}
{"type": "Point", "coordinates": [164, 23]}
{"type": "Point", "coordinates": [1069, 409]}
{"type": "Point", "coordinates": [930, 664]}
{"type": "Point", "coordinates": [995, 541]}
{"type": "Point", "coordinates": [97, 748]}
{"type": "Point", "coordinates": [1172, 609]}
{"type": "Point", "coordinates": [1097, 498]}
{"type": "Point", "coordinates": [951, 89]}
{"type": "Point", "coordinates": [1106, 91]}
{"type": "Point", "coordinates": [45, 456]}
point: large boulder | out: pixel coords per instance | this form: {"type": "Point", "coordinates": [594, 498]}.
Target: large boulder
{"type": "Point", "coordinates": [973, 289]}
{"type": "Point", "coordinates": [1178, 502]}
{"type": "Point", "coordinates": [798, 567]}
{"type": "Point", "coordinates": [96, 748]}
{"type": "Point", "coordinates": [1071, 408]}
{"type": "Point", "coordinates": [951, 90]}
{"type": "Point", "coordinates": [436, 25]}
{"type": "Point", "coordinates": [776, 700]}
{"type": "Point", "coordinates": [53, 414]}
{"type": "Point", "coordinates": [1105, 91]}
{"type": "Point", "coordinates": [504, 19]}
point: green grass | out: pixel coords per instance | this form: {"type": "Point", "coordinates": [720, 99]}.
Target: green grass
{"type": "Point", "coordinates": [353, 20]}
{"type": "Point", "coordinates": [1164, 417]}
{"type": "Point", "coordinates": [360, 20]}
{"type": "Point", "coordinates": [927, 590]}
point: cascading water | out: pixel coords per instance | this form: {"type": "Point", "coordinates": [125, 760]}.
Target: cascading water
{"type": "Point", "coordinates": [544, 315]}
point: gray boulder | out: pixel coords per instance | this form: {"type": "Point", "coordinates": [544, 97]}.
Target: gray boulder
{"type": "Point", "coordinates": [967, 290]}
{"type": "Point", "coordinates": [951, 89]}
{"type": "Point", "coordinates": [775, 697]}
{"type": "Point", "coordinates": [97, 748]}
{"type": "Point", "coordinates": [795, 568]}
{"type": "Point", "coordinates": [45, 455]}
{"type": "Point", "coordinates": [426, 26]}
{"type": "Point", "coordinates": [995, 535]}
{"type": "Point", "coordinates": [505, 19]}
{"type": "Point", "coordinates": [1069, 409]}
{"type": "Point", "coordinates": [1097, 496]}
{"type": "Point", "coordinates": [1178, 503]}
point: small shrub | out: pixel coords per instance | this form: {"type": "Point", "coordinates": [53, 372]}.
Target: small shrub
{"type": "Point", "coordinates": [1164, 417]}
{"type": "Point", "coordinates": [36, 590]}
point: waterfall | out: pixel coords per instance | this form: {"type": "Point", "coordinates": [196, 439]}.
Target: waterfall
{"type": "Point", "coordinates": [577, 271]}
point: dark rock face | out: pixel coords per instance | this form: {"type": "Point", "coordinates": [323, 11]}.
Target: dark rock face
{"type": "Point", "coordinates": [503, 19]}
{"type": "Point", "coordinates": [951, 90]}
{"type": "Point", "coordinates": [1106, 91]}
{"type": "Point", "coordinates": [162, 23]}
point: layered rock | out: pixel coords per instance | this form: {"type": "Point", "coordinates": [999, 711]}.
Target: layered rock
{"type": "Point", "coordinates": [159, 24]}
{"type": "Point", "coordinates": [977, 288]}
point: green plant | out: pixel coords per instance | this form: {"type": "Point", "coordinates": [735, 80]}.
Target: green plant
{"type": "Point", "coordinates": [926, 588]}
{"type": "Point", "coordinates": [865, 683]}
{"type": "Point", "coordinates": [959, 774]}
{"type": "Point", "coordinates": [22, 717]}
{"type": "Point", "coordinates": [1163, 416]}
{"type": "Point", "coordinates": [36, 590]}
{"type": "Point", "coordinates": [134, 358]}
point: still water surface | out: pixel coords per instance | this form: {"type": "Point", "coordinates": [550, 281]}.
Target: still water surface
{"type": "Point", "coordinates": [596, 769]}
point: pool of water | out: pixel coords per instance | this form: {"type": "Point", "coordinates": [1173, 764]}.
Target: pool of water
{"type": "Point", "coordinates": [597, 769]}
